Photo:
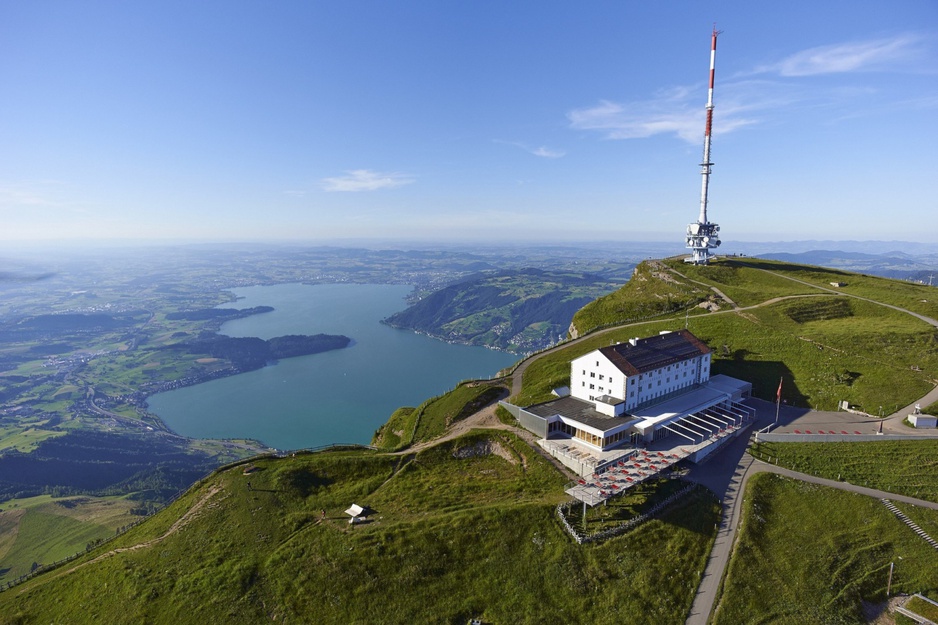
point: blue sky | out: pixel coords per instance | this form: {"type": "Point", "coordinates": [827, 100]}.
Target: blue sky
{"type": "Point", "coordinates": [444, 120]}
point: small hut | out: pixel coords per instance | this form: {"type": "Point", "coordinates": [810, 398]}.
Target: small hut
{"type": "Point", "coordinates": [357, 513]}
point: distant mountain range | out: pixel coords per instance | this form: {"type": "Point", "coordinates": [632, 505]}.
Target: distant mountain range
{"type": "Point", "coordinates": [922, 268]}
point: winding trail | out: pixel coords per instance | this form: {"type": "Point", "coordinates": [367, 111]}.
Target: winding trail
{"type": "Point", "coordinates": [180, 523]}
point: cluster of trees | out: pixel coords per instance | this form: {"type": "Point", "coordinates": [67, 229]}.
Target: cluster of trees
{"type": "Point", "coordinates": [248, 353]}
{"type": "Point", "coordinates": [217, 314]}
{"type": "Point", "coordinates": [101, 463]}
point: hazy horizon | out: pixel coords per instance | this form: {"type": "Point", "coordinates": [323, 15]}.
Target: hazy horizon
{"type": "Point", "coordinates": [297, 121]}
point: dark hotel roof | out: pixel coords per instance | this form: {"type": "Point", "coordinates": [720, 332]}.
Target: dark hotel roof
{"type": "Point", "coordinates": [579, 410]}
{"type": "Point", "coordinates": [655, 352]}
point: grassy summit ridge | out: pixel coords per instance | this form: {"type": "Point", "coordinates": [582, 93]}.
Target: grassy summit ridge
{"type": "Point", "coordinates": [464, 529]}
{"type": "Point", "coordinates": [788, 322]}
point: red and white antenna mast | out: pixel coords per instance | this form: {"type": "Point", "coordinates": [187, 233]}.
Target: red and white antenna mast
{"type": "Point", "coordinates": [703, 235]}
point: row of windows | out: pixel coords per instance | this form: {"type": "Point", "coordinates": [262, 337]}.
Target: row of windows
{"type": "Point", "coordinates": [560, 426]}
{"type": "Point", "coordinates": [601, 376]}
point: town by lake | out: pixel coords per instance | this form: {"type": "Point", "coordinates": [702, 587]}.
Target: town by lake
{"type": "Point", "coordinates": [341, 396]}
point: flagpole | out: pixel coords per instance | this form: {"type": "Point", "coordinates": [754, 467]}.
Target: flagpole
{"type": "Point", "coordinates": [778, 400]}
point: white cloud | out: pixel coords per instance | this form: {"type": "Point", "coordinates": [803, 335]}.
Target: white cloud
{"type": "Point", "coordinates": [32, 194]}
{"type": "Point", "coordinates": [547, 152]}
{"type": "Point", "coordinates": [542, 151]}
{"type": "Point", "coordinates": [669, 113]}
{"type": "Point", "coordinates": [848, 57]}
{"type": "Point", "coordinates": [365, 180]}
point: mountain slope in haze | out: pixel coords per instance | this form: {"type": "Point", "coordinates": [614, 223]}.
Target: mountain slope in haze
{"type": "Point", "coordinates": [894, 264]}
{"type": "Point", "coordinates": [517, 311]}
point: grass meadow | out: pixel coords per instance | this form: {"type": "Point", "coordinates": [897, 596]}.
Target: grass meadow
{"type": "Point", "coordinates": [904, 467]}
{"type": "Point", "coordinates": [811, 554]}
{"type": "Point", "coordinates": [431, 419]}
{"type": "Point", "coordinates": [827, 349]}
{"type": "Point", "coordinates": [43, 529]}
{"type": "Point", "coordinates": [466, 529]}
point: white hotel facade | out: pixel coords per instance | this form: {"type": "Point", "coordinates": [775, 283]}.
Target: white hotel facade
{"type": "Point", "coordinates": [622, 377]}
{"type": "Point", "coordinates": [634, 394]}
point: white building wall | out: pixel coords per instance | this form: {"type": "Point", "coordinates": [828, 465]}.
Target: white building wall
{"type": "Point", "coordinates": [593, 375]}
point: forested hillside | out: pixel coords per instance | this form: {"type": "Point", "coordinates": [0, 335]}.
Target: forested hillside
{"type": "Point", "coordinates": [517, 311]}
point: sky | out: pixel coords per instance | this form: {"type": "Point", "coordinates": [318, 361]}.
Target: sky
{"type": "Point", "coordinates": [456, 121]}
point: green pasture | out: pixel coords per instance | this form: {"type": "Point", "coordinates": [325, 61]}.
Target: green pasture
{"type": "Point", "coordinates": [742, 283]}
{"type": "Point", "coordinates": [827, 349]}
{"type": "Point", "coordinates": [652, 291]}
{"type": "Point", "coordinates": [811, 554]}
{"type": "Point", "coordinates": [436, 414]}
{"type": "Point", "coordinates": [24, 439]}
{"type": "Point", "coordinates": [464, 530]}
{"type": "Point", "coordinates": [923, 608]}
{"type": "Point", "coordinates": [44, 529]}
{"type": "Point", "coordinates": [398, 431]}
{"type": "Point", "coordinates": [903, 467]}
{"type": "Point", "coordinates": [915, 297]}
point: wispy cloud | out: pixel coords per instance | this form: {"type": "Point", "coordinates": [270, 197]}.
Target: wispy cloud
{"type": "Point", "coordinates": [670, 113]}
{"type": "Point", "coordinates": [852, 56]}
{"type": "Point", "coordinates": [749, 97]}
{"type": "Point", "coordinates": [542, 151]}
{"type": "Point", "coordinates": [30, 194]}
{"type": "Point", "coordinates": [366, 180]}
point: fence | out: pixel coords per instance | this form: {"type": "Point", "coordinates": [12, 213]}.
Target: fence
{"type": "Point", "coordinates": [626, 525]}
{"type": "Point", "coordinates": [837, 438]}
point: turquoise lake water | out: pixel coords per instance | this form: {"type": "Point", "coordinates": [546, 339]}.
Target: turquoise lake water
{"type": "Point", "coordinates": [341, 396]}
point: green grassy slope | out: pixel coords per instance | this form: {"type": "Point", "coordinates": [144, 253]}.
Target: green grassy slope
{"type": "Point", "coordinates": [43, 530]}
{"type": "Point", "coordinates": [903, 467]}
{"type": "Point", "coordinates": [465, 529]}
{"type": "Point", "coordinates": [810, 554]}
{"type": "Point", "coordinates": [827, 347]}
{"type": "Point", "coordinates": [651, 292]}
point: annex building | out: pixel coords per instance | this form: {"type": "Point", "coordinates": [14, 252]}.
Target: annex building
{"type": "Point", "coordinates": [651, 394]}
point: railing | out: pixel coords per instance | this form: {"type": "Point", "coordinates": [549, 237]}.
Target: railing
{"type": "Point", "coordinates": [625, 526]}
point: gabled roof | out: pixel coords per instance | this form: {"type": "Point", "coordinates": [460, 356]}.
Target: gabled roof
{"type": "Point", "coordinates": [654, 352]}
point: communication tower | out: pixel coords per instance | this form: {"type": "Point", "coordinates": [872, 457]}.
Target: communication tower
{"type": "Point", "coordinates": [704, 236]}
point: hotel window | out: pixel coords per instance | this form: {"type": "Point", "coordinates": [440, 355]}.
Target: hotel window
{"type": "Point", "coordinates": [601, 377]}
{"type": "Point", "coordinates": [592, 386]}
{"type": "Point", "coordinates": [592, 374]}
{"type": "Point", "coordinates": [632, 381]}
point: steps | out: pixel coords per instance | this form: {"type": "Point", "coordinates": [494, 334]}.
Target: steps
{"type": "Point", "coordinates": [915, 528]}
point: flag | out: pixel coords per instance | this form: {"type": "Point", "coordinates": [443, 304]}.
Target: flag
{"type": "Point", "coordinates": [778, 395]}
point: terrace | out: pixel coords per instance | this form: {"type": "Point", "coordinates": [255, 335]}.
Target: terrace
{"type": "Point", "coordinates": [698, 436]}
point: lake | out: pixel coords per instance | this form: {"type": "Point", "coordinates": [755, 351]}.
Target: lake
{"type": "Point", "coordinates": [341, 396]}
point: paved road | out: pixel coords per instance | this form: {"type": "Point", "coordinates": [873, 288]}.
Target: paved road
{"type": "Point", "coordinates": [727, 473]}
